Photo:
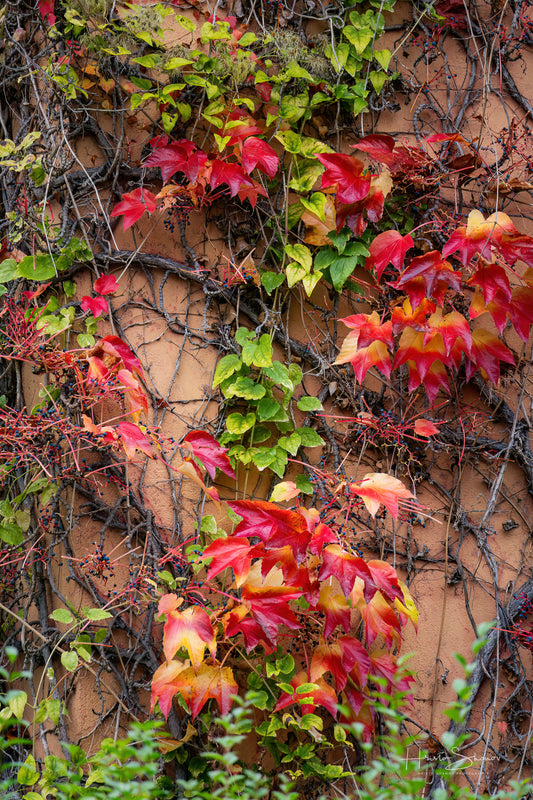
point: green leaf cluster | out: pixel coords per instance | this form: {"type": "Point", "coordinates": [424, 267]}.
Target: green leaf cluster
{"type": "Point", "coordinates": [261, 389]}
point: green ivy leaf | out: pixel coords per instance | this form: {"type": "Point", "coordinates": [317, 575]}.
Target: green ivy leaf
{"type": "Point", "coordinates": [359, 37]}
{"type": "Point", "coordinates": [316, 205]}
{"type": "Point", "coordinates": [37, 268]}
{"type": "Point", "coordinates": [271, 280]}
{"type": "Point", "coordinates": [177, 63]}
{"type": "Point", "coordinates": [260, 434]}
{"type": "Point", "coordinates": [304, 484]}
{"type": "Point", "coordinates": [309, 437]}
{"type": "Point", "coordinates": [290, 443]}
{"type": "Point", "coordinates": [245, 388]}
{"type": "Point", "coordinates": [226, 367]}
{"type": "Point", "coordinates": [268, 408]}
{"type": "Point", "coordinates": [16, 701]}
{"type": "Point", "coordinates": [248, 39]}
{"type": "Point", "coordinates": [27, 774]}
{"type": "Point", "coordinates": [378, 79]}
{"type": "Point", "coordinates": [8, 270]}
{"type": "Point", "coordinates": [300, 253]}
{"type": "Point", "coordinates": [295, 273]}
{"type": "Point", "coordinates": [305, 174]}
{"type": "Point", "coordinates": [308, 403]}
{"type": "Point", "coordinates": [279, 374]}
{"type": "Point", "coordinates": [383, 57]}
{"type": "Point", "coordinates": [62, 615]}
{"type": "Point", "coordinates": [70, 660]}
{"type": "Point", "coordinates": [258, 353]}
{"type": "Point", "coordinates": [185, 22]}
{"type": "Point", "coordinates": [95, 614]}
{"type": "Point", "coordinates": [11, 533]}
{"type": "Point", "coordinates": [236, 423]}
{"type": "Point", "coordinates": [310, 281]}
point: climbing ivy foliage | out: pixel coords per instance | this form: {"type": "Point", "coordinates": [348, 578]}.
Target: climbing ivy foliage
{"type": "Point", "coordinates": [241, 123]}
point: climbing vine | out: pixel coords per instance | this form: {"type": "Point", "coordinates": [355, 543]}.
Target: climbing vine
{"type": "Point", "coordinates": [221, 177]}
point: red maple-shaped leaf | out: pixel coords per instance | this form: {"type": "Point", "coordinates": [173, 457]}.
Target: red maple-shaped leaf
{"type": "Point", "coordinates": [134, 439]}
{"type": "Point", "coordinates": [515, 246]}
{"type": "Point", "coordinates": [335, 608]}
{"type": "Point", "coordinates": [192, 630]}
{"type": "Point", "coordinates": [479, 236]}
{"type": "Point", "coordinates": [164, 685]}
{"type": "Point", "coordinates": [435, 378]}
{"type": "Point", "coordinates": [339, 658]}
{"type": "Point", "coordinates": [210, 681]}
{"type": "Point", "coordinates": [370, 207]}
{"type": "Point", "coordinates": [386, 579]}
{"type": "Point", "coordinates": [425, 428]}
{"type": "Point", "coordinates": [366, 328]}
{"type": "Point", "coordinates": [258, 153]}
{"type": "Point", "coordinates": [404, 317]}
{"type": "Point", "coordinates": [362, 359]}
{"type": "Point", "coordinates": [275, 526]}
{"type": "Point", "coordinates": [380, 620]}
{"type": "Point", "coordinates": [521, 310]}
{"type": "Point", "coordinates": [133, 205]}
{"type": "Point", "coordinates": [181, 156]}
{"type": "Point", "coordinates": [379, 147]}
{"type": "Point", "coordinates": [384, 665]}
{"type": "Point", "coordinates": [229, 552]}
{"type": "Point", "coordinates": [400, 158]}
{"type": "Point", "coordinates": [46, 10]}
{"type": "Point", "coordinates": [267, 598]}
{"type": "Point", "coordinates": [428, 275]}
{"type": "Point", "coordinates": [498, 308]}
{"type": "Point", "coordinates": [168, 602]}
{"type": "Point", "coordinates": [367, 344]}
{"type": "Point", "coordinates": [238, 623]}
{"type": "Point", "coordinates": [105, 284]}
{"type": "Point", "coordinates": [239, 126]}
{"type": "Point", "coordinates": [231, 174]}
{"type": "Point", "coordinates": [136, 397]}
{"type": "Point", "coordinates": [387, 248]}
{"type": "Point", "coordinates": [452, 327]}
{"type": "Point", "coordinates": [345, 567]}
{"type": "Point", "coordinates": [379, 488]}
{"type": "Point", "coordinates": [311, 695]}
{"type": "Point", "coordinates": [493, 281]}
{"type": "Point", "coordinates": [114, 349]}
{"type": "Point", "coordinates": [486, 354]}
{"type": "Point", "coordinates": [209, 453]}
{"type": "Point", "coordinates": [414, 347]}
{"type": "Point", "coordinates": [345, 172]}
{"type": "Point", "coordinates": [96, 305]}
{"type": "Point", "coordinates": [322, 535]}
{"type": "Point", "coordinates": [251, 192]}
{"type": "Point", "coordinates": [192, 471]}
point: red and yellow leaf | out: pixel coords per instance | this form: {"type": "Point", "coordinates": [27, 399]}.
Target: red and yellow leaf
{"type": "Point", "coordinates": [275, 526]}
{"type": "Point", "coordinates": [192, 630]}
{"type": "Point", "coordinates": [379, 488]}
{"type": "Point", "coordinates": [209, 453]}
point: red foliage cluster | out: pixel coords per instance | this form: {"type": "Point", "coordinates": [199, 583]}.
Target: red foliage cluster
{"type": "Point", "coordinates": [285, 570]}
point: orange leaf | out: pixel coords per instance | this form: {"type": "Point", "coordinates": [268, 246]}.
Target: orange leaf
{"type": "Point", "coordinates": [380, 620]}
{"type": "Point", "coordinates": [335, 608]}
{"type": "Point", "coordinates": [378, 488]}
{"type": "Point", "coordinates": [423, 427]}
{"type": "Point", "coordinates": [191, 629]}
{"type": "Point", "coordinates": [210, 681]}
